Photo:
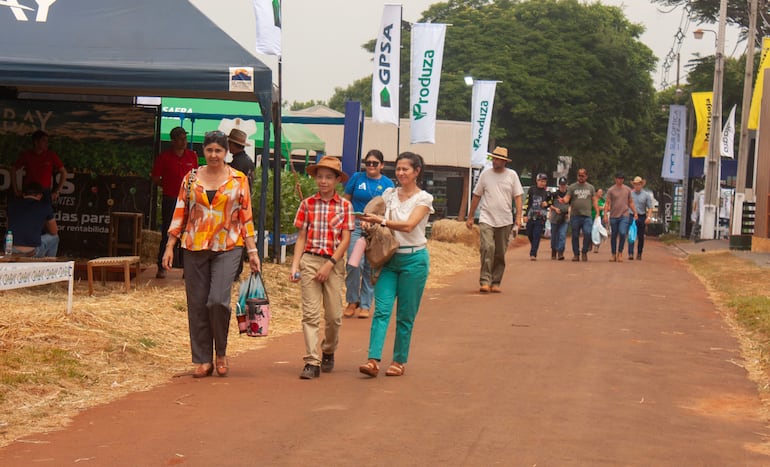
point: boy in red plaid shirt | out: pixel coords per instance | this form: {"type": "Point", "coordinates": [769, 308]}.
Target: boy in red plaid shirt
{"type": "Point", "coordinates": [325, 221]}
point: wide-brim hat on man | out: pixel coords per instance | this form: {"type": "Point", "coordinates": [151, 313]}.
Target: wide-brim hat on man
{"type": "Point", "coordinates": [330, 162]}
{"type": "Point", "coordinates": [238, 137]}
{"type": "Point", "coordinates": [637, 179]}
{"type": "Point", "coordinates": [500, 153]}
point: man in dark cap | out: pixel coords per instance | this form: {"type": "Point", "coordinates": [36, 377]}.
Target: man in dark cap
{"type": "Point", "coordinates": [168, 172]}
{"type": "Point", "coordinates": [581, 197]}
{"type": "Point", "coordinates": [616, 208]}
{"type": "Point", "coordinates": [536, 210]}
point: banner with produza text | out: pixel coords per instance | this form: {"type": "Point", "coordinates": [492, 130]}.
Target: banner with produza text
{"type": "Point", "coordinates": [481, 120]}
{"type": "Point", "coordinates": [427, 58]}
{"type": "Point", "coordinates": [673, 159]}
{"type": "Point", "coordinates": [386, 78]}
{"type": "Point", "coordinates": [702, 102]}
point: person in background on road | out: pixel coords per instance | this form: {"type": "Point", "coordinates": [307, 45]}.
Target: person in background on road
{"type": "Point", "coordinates": [237, 142]}
{"type": "Point", "coordinates": [360, 189]}
{"type": "Point", "coordinates": [40, 164]}
{"type": "Point", "coordinates": [324, 221]}
{"type": "Point", "coordinates": [27, 218]}
{"type": "Point", "coordinates": [581, 197]}
{"type": "Point", "coordinates": [212, 222]}
{"type": "Point", "coordinates": [643, 206]}
{"type": "Point", "coordinates": [402, 279]}
{"type": "Point", "coordinates": [600, 204]}
{"type": "Point", "coordinates": [559, 217]}
{"type": "Point", "coordinates": [616, 209]}
{"type": "Point", "coordinates": [536, 209]}
{"type": "Point", "coordinates": [495, 189]}
{"type": "Point", "coordinates": [169, 169]}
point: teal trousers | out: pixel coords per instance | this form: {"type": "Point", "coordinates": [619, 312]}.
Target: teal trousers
{"type": "Point", "coordinates": [402, 282]}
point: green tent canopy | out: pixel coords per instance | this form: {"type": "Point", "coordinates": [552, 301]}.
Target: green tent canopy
{"type": "Point", "coordinates": [294, 136]}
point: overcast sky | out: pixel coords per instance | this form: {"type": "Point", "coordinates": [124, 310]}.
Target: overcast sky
{"type": "Point", "coordinates": [322, 39]}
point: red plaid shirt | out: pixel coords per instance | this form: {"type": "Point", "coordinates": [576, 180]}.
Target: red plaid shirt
{"type": "Point", "coordinates": [324, 221]}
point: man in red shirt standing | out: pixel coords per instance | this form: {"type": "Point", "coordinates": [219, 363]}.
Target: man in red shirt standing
{"type": "Point", "coordinates": [168, 172]}
{"type": "Point", "coordinates": [39, 164]}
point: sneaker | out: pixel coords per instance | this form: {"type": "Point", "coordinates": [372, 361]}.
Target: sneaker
{"type": "Point", "coordinates": [310, 372]}
{"type": "Point", "coordinates": [350, 311]}
{"type": "Point", "coordinates": [576, 258]}
{"type": "Point", "coordinates": [630, 257]}
{"type": "Point", "coordinates": [639, 257]}
{"type": "Point", "coordinates": [161, 273]}
{"type": "Point", "coordinates": [327, 362]}
{"type": "Point", "coordinates": [561, 256]}
{"type": "Point", "coordinates": [584, 256]}
{"type": "Point", "coordinates": [613, 258]}
{"type": "Point", "coordinates": [533, 258]}
{"type": "Point", "coordinates": [553, 254]}
{"type": "Point", "coordinates": [484, 289]}
{"type": "Point", "coordinates": [496, 289]}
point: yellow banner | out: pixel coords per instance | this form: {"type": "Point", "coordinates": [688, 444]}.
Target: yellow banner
{"type": "Point", "coordinates": [756, 97]}
{"type": "Point", "coordinates": [701, 102]}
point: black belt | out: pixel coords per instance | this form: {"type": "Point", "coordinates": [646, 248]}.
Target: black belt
{"type": "Point", "coordinates": [318, 254]}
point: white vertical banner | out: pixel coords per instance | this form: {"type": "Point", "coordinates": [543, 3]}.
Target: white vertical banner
{"type": "Point", "coordinates": [727, 142]}
{"type": "Point", "coordinates": [481, 120]}
{"type": "Point", "coordinates": [386, 78]}
{"type": "Point", "coordinates": [268, 14]}
{"type": "Point", "coordinates": [427, 58]}
{"type": "Point", "coordinates": [673, 159]}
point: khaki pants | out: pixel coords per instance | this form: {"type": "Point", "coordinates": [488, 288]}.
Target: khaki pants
{"type": "Point", "coordinates": [318, 297]}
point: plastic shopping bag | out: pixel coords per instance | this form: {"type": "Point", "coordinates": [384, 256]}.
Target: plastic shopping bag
{"type": "Point", "coordinates": [632, 232]}
{"type": "Point", "coordinates": [253, 308]}
{"type": "Point", "coordinates": [598, 232]}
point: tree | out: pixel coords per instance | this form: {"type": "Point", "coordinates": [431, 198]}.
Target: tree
{"type": "Point", "coordinates": [707, 11]}
{"type": "Point", "coordinates": [575, 80]}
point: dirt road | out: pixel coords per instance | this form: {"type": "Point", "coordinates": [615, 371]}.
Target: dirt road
{"type": "Point", "coordinates": [595, 364]}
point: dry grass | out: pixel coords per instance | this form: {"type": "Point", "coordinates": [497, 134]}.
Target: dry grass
{"type": "Point", "coordinates": [53, 365]}
{"type": "Point", "coordinates": [739, 288]}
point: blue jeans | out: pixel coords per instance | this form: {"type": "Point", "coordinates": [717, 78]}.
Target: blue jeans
{"type": "Point", "coordinates": [558, 236]}
{"type": "Point", "coordinates": [535, 229]}
{"type": "Point", "coordinates": [402, 282]}
{"type": "Point", "coordinates": [49, 246]}
{"type": "Point", "coordinates": [585, 224]}
{"type": "Point", "coordinates": [619, 226]}
{"type": "Point", "coordinates": [358, 280]}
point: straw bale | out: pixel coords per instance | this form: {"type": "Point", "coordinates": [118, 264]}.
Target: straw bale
{"type": "Point", "coordinates": [53, 365]}
{"type": "Point", "coordinates": [150, 245]}
{"type": "Point", "coordinates": [453, 231]}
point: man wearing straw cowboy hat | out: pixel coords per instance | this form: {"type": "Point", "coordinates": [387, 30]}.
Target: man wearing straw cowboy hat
{"type": "Point", "coordinates": [237, 142]}
{"type": "Point", "coordinates": [495, 189]}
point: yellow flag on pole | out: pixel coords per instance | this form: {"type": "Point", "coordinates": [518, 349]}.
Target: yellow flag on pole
{"type": "Point", "coordinates": [756, 97]}
{"type": "Point", "coordinates": [701, 102]}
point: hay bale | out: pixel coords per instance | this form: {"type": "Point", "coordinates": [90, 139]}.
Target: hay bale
{"type": "Point", "coordinates": [453, 231]}
{"type": "Point", "coordinates": [150, 245]}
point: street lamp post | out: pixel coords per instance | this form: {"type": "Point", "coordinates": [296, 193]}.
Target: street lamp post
{"type": "Point", "coordinates": [711, 189]}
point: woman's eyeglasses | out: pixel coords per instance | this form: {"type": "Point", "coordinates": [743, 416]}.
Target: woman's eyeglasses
{"type": "Point", "coordinates": [372, 163]}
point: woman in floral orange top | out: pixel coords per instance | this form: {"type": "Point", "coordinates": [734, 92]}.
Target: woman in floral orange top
{"type": "Point", "coordinates": [213, 221]}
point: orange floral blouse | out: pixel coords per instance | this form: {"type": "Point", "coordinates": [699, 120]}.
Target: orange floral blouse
{"type": "Point", "coordinates": [220, 224]}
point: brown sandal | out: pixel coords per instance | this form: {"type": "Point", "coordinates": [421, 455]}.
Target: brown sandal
{"type": "Point", "coordinates": [395, 369]}
{"type": "Point", "coordinates": [372, 368]}
{"type": "Point", "coordinates": [223, 366]}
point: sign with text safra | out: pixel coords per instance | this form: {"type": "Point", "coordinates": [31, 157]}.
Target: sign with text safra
{"type": "Point", "coordinates": [387, 67]}
{"type": "Point", "coordinates": [427, 58]}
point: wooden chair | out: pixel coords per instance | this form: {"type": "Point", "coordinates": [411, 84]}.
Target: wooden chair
{"type": "Point", "coordinates": [107, 261]}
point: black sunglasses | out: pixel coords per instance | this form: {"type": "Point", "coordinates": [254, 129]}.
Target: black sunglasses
{"type": "Point", "coordinates": [372, 163]}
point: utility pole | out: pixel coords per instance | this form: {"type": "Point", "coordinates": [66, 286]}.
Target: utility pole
{"type": "Point", "coordinates": [748, 82]}
{"type": "Point", "coordinates": [711, 194]}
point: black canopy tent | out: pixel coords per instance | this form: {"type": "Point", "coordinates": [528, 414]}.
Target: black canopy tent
{"type": "Point", "coordinates": [125, 48]}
